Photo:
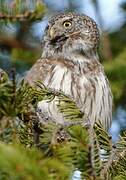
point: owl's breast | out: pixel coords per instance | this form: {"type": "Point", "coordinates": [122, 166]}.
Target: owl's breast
{"type": "Point", "coordinates": [60, 79]}
{"type": "Point", "coordinates": [90, 92]}
{"type": "Point", "coordinates": [69, 82]}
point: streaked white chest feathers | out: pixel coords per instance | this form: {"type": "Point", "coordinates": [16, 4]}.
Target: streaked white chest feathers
{"type": "Point", "coordinates": [90, 91]}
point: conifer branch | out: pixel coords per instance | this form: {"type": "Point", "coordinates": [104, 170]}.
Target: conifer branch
{"type": "Point", "coordinates": [75, 145]}
{"type": "Point", "coordinates": [20, 10]}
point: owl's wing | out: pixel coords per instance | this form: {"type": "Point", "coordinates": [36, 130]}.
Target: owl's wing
{"type": "Point", "coordinates": [38, 72]}
{"type": "Point", "coordinates": [43, 67]}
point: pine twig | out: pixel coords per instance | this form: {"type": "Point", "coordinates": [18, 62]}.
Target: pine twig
{"type": "Point", "coordinates": [15, 12]}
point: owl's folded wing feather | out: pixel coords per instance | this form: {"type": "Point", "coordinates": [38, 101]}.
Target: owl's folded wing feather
{"type": "Point", "coordinates": [38, 72]}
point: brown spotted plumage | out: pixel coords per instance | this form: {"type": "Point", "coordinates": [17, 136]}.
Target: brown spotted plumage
{"type": "Point", "coordinates": [70, 63]}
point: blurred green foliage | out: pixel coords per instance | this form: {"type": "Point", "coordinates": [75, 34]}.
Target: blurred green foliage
{"type": "Point", "coordinates": [116, 72]}
{"type": "Point", "coordinates": [118, 41]}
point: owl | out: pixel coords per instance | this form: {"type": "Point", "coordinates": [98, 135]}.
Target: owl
{"type": "Point", "coordinates": [70, 63]}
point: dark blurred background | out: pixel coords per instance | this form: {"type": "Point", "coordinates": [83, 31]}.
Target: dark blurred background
{"type": "Point", "coordinates": [22, 24]}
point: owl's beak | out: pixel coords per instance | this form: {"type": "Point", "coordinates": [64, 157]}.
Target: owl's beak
{"type": "Point", "coordinates": [52, 33]}
{"type": "Point", "coordinates": [56, 37]}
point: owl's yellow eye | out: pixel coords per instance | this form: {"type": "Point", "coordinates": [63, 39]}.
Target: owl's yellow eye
{"type": "Point", "coordinates": [67, 24]}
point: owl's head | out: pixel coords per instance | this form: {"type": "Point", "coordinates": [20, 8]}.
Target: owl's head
{"type": "Point", "coordinates": [68, 32]}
